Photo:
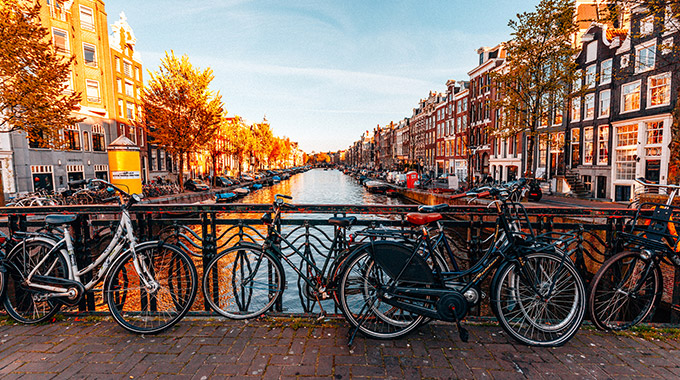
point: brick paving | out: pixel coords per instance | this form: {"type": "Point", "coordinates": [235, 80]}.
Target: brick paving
{"type": "Point", "coordinates": [202, 348]}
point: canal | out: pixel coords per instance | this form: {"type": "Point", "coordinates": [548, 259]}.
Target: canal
{"type": "Point", "coordinates": [316, 186]}
{"type": "Point", "coordinates": [320, 186]}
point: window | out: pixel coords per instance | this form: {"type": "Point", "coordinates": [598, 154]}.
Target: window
{"type": "Point", "coordinates": [575, 109]}
{"type": "Point", "coordinates": [129, 89]}
{"type": "Point", "coordinates": [558, 114]}
{"type": "Point", "coordinates": [575, 146]}
{"type": "Point", "coordinates": [68, 83]}
{"type": "Point", "coordinates": [606, 71]}
{"type": "Point", "coordinates": [591, 51]}
{"type": "Point", "coordinates": [117, 64]}
{"type": "Point", "coordinates": [590, 76]}
{"type": "Point", "coordinates": [630, 97]}
{"type": "Point", "coordinates": [132, 134]}
{"type": "Point", "coordinates": [577, 81]}
{"type": "Point", "coordinates": [90, 55]}
{"type": "Point", "coordinates": [93, 91]}
{"type": "Point", "coordinates": [647, 25]}
{"type": "Point", "coordinates": [127, 69]}
{"type": "Point", "coordinates": [588, 146]}
{"type": "Point", "coordinates": [119, 83]}
{"type": "Point", "coordinates": [86, 141]}
{"type": "Point", "coordinates": [60, 40]}
{"type": "Point", "coordinates": [98, 140]}
{"type": "Point", "coordinates": [626, 151]}
{"type": "Point", "coordinates": [604, 105]}
{"type": "Point", "coordinates": [589, 106]}
{"type": "Point", "coordinates": [603, 145]}
{"type": "Point", "coordinates": [130, 114]}
{"type": "Point", "coordinates": [72, 137]}
{"type": "Point", "coordinates": [659, 90]}
{"type": "Point", "coordinates": [543, 150]}
{"type": "Point", "coordinates": [655, 132]}
{"type": "Point", "coordinates": [670, 23]}
{"type": "Point", "coordinates": [86, 18]}
{"type": "Point", "coordinates": [645, 57]}
{"type": "Point", "coordinates": [120, 107]}
{"type": "Point", "coordinates": [38, 142]}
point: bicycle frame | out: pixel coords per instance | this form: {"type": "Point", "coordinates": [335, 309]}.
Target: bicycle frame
{"type": "Point", "coordinates": [124, 236]}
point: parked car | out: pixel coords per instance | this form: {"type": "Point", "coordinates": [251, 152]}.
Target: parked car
{"type": "Point", "coordinates": [196, 185]}
{"type": "Point", "coordinates": [223, 181]}
{"type": "Point", "coordinates": [246, 177]}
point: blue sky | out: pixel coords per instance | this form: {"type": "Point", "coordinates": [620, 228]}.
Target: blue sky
{"type": "Point", "coordinates": [322, 72]}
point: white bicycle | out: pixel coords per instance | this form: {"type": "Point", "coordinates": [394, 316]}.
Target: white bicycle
{"type": "Point", "coordinates": [148, 286]}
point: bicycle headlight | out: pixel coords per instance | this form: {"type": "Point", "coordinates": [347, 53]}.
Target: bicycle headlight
{"type": "Point", "coordinates": [136, 197]}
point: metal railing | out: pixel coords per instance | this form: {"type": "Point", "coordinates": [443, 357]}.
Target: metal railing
{"type": "Point", "coordinates": [206, 230]}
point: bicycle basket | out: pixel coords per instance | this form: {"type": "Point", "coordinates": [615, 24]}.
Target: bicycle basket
{"type": "Point", "coordinates": [655, 226]}
{"type": "Point", "coordinates": [518, 222]}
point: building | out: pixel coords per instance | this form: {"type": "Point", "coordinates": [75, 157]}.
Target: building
{"type": "Point", "coordinates": [480, 96]}
{"type": "Point", "coordinates": [78, 28]}
{"type": "Point", "coordinates": [458, 157]}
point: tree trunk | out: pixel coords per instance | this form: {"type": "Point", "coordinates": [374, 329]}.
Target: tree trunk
{"type": "Point", "coordinates": [674, 146]}
{"type": "Point", "coordinates": [180, 179]}
{"type": "Point", "coordinates": [214, 170]}
{"type": "Point", "coordinates": [2, 188]}
{"type": "Point", "coordinates": [529, 172]}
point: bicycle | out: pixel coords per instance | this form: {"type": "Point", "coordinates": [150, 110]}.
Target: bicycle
{"type": "Point", "coordinates": [387, 289]}
{"type": "Point", "coordinates": [628, 287]}
{"type": "Point", "coordinates": [246, 280]}
{"type": "Point", "coordinates": [147, 286]}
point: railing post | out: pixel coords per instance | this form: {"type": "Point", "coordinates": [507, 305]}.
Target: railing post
{"type": "Point", "coordinates": [209, 246]}
{"type": "Point", "coordinates": [82, 241]}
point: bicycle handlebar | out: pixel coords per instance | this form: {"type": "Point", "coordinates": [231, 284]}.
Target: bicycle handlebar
{"type": "Point", "coordinates": [642, 181]}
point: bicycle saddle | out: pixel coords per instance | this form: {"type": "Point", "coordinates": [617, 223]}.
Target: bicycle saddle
{"type": "Point", "coordinates": [59, 219]}
{"type": "Point", "coordinates": [421, 219]}
{"type": "Point", "coordinates": [342, 222]}
{"type": "Point", "coordinates": [435, 208]}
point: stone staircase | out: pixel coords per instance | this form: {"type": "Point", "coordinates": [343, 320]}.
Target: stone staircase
{"type": "Point", "coordinates": [576, 185]}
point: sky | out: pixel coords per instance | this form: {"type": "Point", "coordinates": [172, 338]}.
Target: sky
{"type": "Point", "coordinates": [321, 72]}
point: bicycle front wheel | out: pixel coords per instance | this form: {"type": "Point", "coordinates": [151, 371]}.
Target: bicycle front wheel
{"type": "Point", "coordinates": [25, 304]}
{"type": "Point", "coordinates": [151, 308]}
{"type": "Point", "coordinates": [625, 290]}
{"type": "Point", "coordinates": [540, 302]}
{"type": "Point", "coordinates": [359, 302]}
{"type": "Point", "coordinates": [243, 282]}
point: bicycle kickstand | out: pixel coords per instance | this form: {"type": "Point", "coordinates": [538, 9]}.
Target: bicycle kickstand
{"type": "Point", "coordinates": [462, 331]}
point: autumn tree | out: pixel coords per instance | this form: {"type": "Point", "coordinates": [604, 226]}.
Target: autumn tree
{"type": "Point", "coordinates": [181, 113]}
{"type": "Point", "coordinates": [33, 78]}
{"type": "Point", "coordinates": [240, 140]}
{"type": "Point", "coordinates": [538, 70]}
{"type": "Point", "coordinates": [263, 136]}
{"type": "Point", "coordinates": [218, 146]}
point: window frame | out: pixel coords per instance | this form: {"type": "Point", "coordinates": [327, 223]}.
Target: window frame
{"type": "Point", "coordinates": [604, 79]}
{"type": "Point", "coordinates": [87, 25]}
{"type": "Point", "coordinates": [65, 50]}
{"type": "Point", "coordinates": [590, 96]}
{"type": "Point", "coordinates": [600, 107]}
{"type": "Point", "coordinates": [649, 45]}
{"type": "Point", "coordinates": [93, 62]}
{"type": "Point", "coordinates": [623, 96]}
{"type": "Point", "coordinates": [88, 86]}
{"type": "Point", "coordinates": [668, 86]}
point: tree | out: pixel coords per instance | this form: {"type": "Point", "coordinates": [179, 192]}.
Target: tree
{"type": "Point", "coordinates": [33, 79]}
{"type": "Point", "coordinates": [264, 137]}
{"type": "Point", "coordinates": [538, 70]}
{"type": "Point", "coordinates": [218, 146]}
{"type": "Point", "coordinates": [240, 140]}
{"type": "Point", "coordinates": [180, 112]}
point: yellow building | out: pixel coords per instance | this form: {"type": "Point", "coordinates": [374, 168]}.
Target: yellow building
{"type": "Point", "coordinates": [128, 84]}
{"type": "Point", "coordinates": [77, 28]}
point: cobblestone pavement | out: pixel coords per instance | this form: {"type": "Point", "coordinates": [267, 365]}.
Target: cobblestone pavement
{"type": "Point", "coordinates": [200, 348]}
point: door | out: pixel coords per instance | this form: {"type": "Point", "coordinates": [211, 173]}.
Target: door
{"type": "Point", "coordinates": [601, 191]}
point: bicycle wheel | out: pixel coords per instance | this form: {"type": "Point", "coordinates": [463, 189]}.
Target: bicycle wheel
{"type": "Point", "coordinates": [151, 309]}
{"type": "Point", "coordinates": [22, 303]}
{"type": "Point", "coordinates": [243, 282]}
{"type": "Point", "coordinates": [624, 291]}
{"type": "Point", "coordinates": [541, 303]}
{"type": "Point", "coordinates": [358, 300]}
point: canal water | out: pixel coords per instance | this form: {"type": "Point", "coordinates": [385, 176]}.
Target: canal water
{"type": "Point", "coordinates": [320, 186]}
{"type": "Point", "coordinates": [316, 186]}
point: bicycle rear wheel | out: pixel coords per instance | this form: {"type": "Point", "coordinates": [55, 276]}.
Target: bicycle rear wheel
{"type": "Point", "coordinates": [625, 290]}
{"type": "Point", "coordinates": [145, 310]}
{"type": "Point", "coordinates": [540, 303]}
{"type": "Point", "coordinates": [24, 304]}
{"type": "Point", "coordinates": [359, 302]}
{"type": "Point", "coordinates": [243, 282]}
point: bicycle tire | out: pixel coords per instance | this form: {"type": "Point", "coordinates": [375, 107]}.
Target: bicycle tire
{"type": "Point", "coordinates": [611, 307]}
{"type": "Point", "coordinates": [243, 282]}
{"type": "Point", "coordinates": [22, 303]}
{"type": "Point", "coordinates": [531, 318]}
{"type": "Point", "coordinates": [141, 311]}
{"type": "Point", "coordinates": [360, 305]}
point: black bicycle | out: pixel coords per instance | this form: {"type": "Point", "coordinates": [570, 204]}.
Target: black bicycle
{"type": "Point", "coordinates": [246, 280]}
{"type": "Point", "coordinates": [387, 289]}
